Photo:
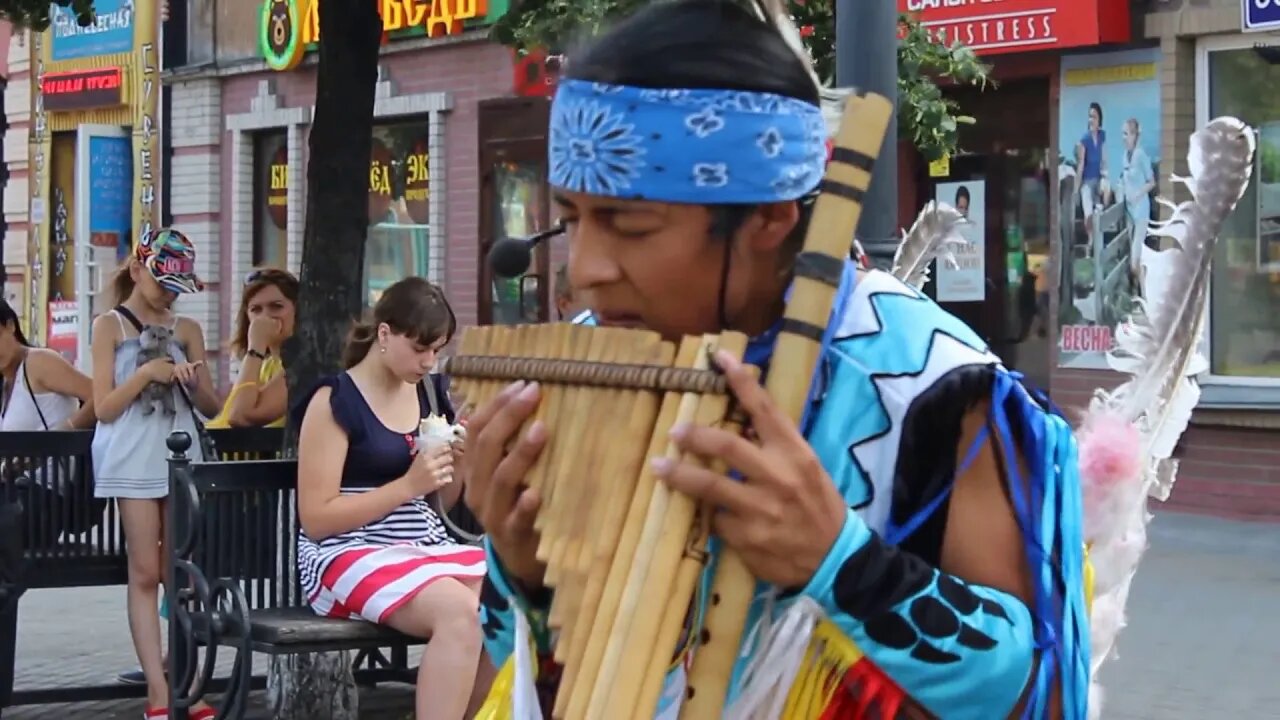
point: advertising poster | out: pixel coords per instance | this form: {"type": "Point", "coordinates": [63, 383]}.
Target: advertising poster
{"type": "Point", "coordinates": [966, 282]}
{"type": "Point", "coordinates": [1108, 165]}
{"type": "Point", "coordinates": [111, 194]}
{"type": "Point", "coordinates": [63, 324]}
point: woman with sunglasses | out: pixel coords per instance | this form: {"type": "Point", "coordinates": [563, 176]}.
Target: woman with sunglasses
{"type": "Point", "coordinates": [268, 308]}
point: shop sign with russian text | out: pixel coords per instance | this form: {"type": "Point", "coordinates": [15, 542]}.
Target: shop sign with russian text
{"type": "Point", "coordinates": [82, 89]}
{"type": "Point", "coordinates": [287, 29]}
{"type": "Point", "coordinates": [111, 31]}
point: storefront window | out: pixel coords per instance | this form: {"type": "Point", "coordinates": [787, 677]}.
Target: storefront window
{"type": "Point", "coordinates": [399, 206]}
{"type": "Point", "coordinates": [1245, 305]}
{"type": "Point", "coordinates": [271, 190]}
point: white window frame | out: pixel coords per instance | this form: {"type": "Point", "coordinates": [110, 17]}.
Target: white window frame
{"type": "Point", "coordinates": [1227, 390]}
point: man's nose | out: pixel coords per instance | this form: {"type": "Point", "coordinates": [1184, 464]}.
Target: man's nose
{"type": "Point", "coordinates": [591, 264]}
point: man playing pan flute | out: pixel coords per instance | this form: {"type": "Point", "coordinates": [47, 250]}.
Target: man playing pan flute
{"type": "Point", "coordinates": [925, 517]}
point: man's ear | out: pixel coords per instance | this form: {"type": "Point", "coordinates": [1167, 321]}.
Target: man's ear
{"type": "Point", "coordinates": [770, 226]}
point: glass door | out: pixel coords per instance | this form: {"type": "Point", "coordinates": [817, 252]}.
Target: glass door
{"type": "Point", "coordinates": [1026, 261]}
{"type": "Point", "coordinates": [517, 212]}
{"type": "Point", "coordinates": [514, 203]}
{"type": "Point", "coordinates": [1000, 287]}
{"type": "Point", "coordinates": [971, 290]}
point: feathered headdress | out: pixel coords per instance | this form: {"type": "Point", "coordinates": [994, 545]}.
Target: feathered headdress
{"type": "Point", "coordinates": [1128, 435]}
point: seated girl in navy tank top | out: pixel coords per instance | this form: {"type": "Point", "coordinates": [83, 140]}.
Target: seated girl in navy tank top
{"type": "Point", "coordinates": [372, 547]}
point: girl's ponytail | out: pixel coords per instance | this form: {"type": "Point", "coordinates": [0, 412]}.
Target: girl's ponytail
{"type": "Point", "coordinates": [359, 343]}
{"type": "Point", "coordinates": [122, 284]}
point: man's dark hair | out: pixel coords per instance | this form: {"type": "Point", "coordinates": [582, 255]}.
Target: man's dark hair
{"type": "Point", "coordinates": [962, 193]}
{"type": "Point", "coordinates": [698, 44]}
{"type": "Point", "coordinates": [695, 44]}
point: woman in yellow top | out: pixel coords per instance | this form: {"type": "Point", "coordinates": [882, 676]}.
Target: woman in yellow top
{"type": "Point", "coordinates": [259, 397]}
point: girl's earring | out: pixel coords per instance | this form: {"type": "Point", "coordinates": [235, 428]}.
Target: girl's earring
{"type": "Point", "coordinates": [382, 349]}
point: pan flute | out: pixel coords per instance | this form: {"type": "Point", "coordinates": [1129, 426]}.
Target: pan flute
{"type": "Point", "coordinates": [623, 553]}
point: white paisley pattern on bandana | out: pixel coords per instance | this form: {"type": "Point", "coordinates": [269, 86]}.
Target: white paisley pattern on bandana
{"type": "Point", "coordinates": [690, 146]}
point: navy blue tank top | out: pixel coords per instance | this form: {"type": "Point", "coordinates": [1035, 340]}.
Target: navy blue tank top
{"type": "Point", "coordinates": [376, 454]}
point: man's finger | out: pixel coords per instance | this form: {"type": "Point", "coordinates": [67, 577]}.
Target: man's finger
{"type": "Point", "coordinates": [736, 532]}
{"type": "Point", "coordinates": [519, 524]}
{"type": "Point", "coordinates": [736, 451]}
{"type": "Point", "coordinates": [488, 443]}
{"type": "Point", "coordinates": [754, 400]}
{"type": "Point", "coordinates": [714, 488]}
{"type": "Point", "coordinates": [508, 477]}
{"type": "Point", "coordinates": [482, 416]}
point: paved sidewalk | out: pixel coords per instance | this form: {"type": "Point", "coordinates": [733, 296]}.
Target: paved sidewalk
{"type": "Point", "coordinates": [81, 637]}
{"type": "Point", "coordinates": [1202, 641]}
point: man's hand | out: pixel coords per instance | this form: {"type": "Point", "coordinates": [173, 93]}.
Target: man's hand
{"type": "Point", "coordinates": [786, 515]}
{"type": "Point", "coordinates": [495, 488]}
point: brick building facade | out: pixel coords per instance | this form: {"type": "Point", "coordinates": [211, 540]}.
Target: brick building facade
{"type": "Point", "coordinates": [220, 123]}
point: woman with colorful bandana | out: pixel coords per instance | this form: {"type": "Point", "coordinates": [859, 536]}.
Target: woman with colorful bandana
{"type": "Point", "coordinates": [129, 454]}
{"type": "Point", "coordinates": [925, 519]}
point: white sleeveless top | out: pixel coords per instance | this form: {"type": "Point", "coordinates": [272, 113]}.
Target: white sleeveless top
{"type": "Point", "coordinates": [24, 407]}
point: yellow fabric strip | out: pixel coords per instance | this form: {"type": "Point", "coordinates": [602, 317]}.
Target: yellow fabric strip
{"type": "Point", "coordinates": [830, 655]}
{"type": "Point", "coordinates": [497, 705]}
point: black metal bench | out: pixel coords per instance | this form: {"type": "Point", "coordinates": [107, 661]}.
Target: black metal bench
{"type": "Point", "coordinates": [68, 539]}
{"type": "Point", "coordinates": [233, 531]}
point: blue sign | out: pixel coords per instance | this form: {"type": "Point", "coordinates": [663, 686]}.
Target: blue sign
{"type": "Point", "coordinates": [111, 193]}
{"type": "Point", "coordinates": [1261, 14]}
{"type": "Point", "coordinates": [111, 33]}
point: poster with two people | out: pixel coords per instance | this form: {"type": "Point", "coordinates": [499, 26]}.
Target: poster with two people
{"type": "Point", "coordinates": [1109, 165]}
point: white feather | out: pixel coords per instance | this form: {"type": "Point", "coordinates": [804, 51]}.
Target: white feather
{"type": "Point", "coordinates": [934, 235]}
{"type": "Point", "coordinates": [1159, 347]}
{"type": "Point", "coordinates": [767, 679]}
{"type": "Point", "coordinates": [524, 698]}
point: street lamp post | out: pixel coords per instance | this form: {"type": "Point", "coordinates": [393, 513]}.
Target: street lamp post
{"type": "Point", "coordinates": [867, 58]}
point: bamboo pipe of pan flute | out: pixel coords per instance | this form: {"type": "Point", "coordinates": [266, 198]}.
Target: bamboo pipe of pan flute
{"type": "Point", "coordinates": [653, 571]}
{"type": "Point", "coordinates": [611, 566]}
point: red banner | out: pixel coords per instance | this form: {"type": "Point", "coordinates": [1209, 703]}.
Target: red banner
{"type": "Point", "coordinates": [992, 27]}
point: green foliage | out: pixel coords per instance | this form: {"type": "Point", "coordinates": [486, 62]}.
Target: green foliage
{"type": "Point", "coordinates": [35, 14]}
{"type": "Point", "coordinates": [925, 118]}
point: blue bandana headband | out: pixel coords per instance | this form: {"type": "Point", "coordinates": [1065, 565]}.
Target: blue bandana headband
{"type": "Point", "coordinates": [684, 146]}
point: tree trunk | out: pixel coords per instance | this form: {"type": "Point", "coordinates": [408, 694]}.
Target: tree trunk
{"type": "Point", "coordinates": [320, 686]}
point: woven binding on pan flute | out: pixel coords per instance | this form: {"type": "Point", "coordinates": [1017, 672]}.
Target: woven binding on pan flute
{"type": "Point", "coordinates": [586, 373]}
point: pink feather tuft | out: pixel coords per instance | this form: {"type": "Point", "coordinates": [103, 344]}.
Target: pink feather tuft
{"type": "Point", "coordinates": [1110, 472]}
{"type": "Point", "coordinates": [1110, 451]}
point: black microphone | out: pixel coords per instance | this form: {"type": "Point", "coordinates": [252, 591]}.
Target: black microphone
{"type": "Point", "coordinates": [510, 257]}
